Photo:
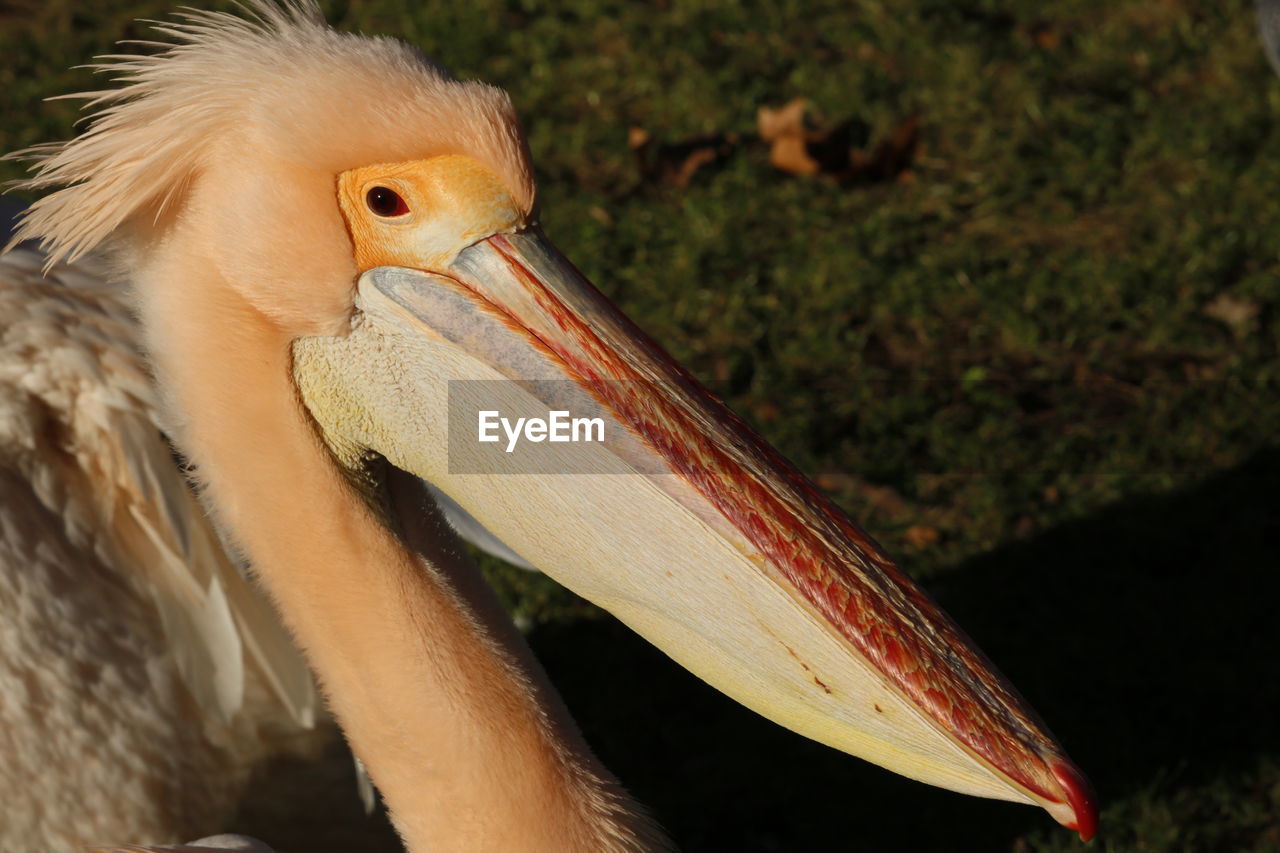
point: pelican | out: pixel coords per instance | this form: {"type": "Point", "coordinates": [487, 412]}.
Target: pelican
{"type": "Point", "coordinates": [333, 252]}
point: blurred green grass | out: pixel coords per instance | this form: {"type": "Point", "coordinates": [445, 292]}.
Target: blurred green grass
{"type": "Point", "coordinates": [1040, 366]}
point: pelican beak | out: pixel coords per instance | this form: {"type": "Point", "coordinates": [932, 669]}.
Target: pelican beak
{"type": "Point", "coordinates": [682, 522]}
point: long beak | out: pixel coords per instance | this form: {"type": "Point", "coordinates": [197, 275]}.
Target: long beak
{"type": "Point", "coordinates": [709, 544]}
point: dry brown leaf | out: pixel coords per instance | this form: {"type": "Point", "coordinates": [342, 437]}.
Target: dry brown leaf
{"type": "Point", "coordinates": [922, 535]}
{"type": "Point", "coordinates": [797, 149]}
{"type": "Point", "coordinates": [681, 171]}
{"type": "Point", "coordinates": [791, 154]}
{"type": "Point", "coordinates": [788, 139]}
{"type": "Point", "coordinates": [786, 120]}
{"type": "Point", "coordinates": [677, 163]}
{"type": "Point", "coordinates": [1233, 312]}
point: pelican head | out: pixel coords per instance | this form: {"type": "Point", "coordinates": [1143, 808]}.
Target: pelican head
{"type": "Point", "coordinates": [339, 212]}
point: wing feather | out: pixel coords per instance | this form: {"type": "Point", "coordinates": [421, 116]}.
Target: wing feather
{"type": "Point", "coordinates": [76, 348]}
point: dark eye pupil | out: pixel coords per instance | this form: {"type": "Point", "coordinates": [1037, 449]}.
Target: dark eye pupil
{"type": "Point", "coordinates": [386, 202]}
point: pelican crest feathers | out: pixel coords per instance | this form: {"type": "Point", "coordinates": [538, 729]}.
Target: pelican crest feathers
{"type": "Point", "coordinates": [280, 80]}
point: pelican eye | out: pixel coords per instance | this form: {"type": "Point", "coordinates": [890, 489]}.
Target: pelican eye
{"type": "Point", "coordinates": [385, 202]}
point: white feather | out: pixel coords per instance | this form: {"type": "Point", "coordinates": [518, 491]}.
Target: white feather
{"type": "Point", "coordinates": [142, 676]}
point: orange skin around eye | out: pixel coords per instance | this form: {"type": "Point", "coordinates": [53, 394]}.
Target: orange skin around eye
{"type": "Point", "coordinates": [439, 194]}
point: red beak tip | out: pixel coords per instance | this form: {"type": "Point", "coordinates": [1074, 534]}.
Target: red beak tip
{"type": "Point", "coordinates": [1081, 798]}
